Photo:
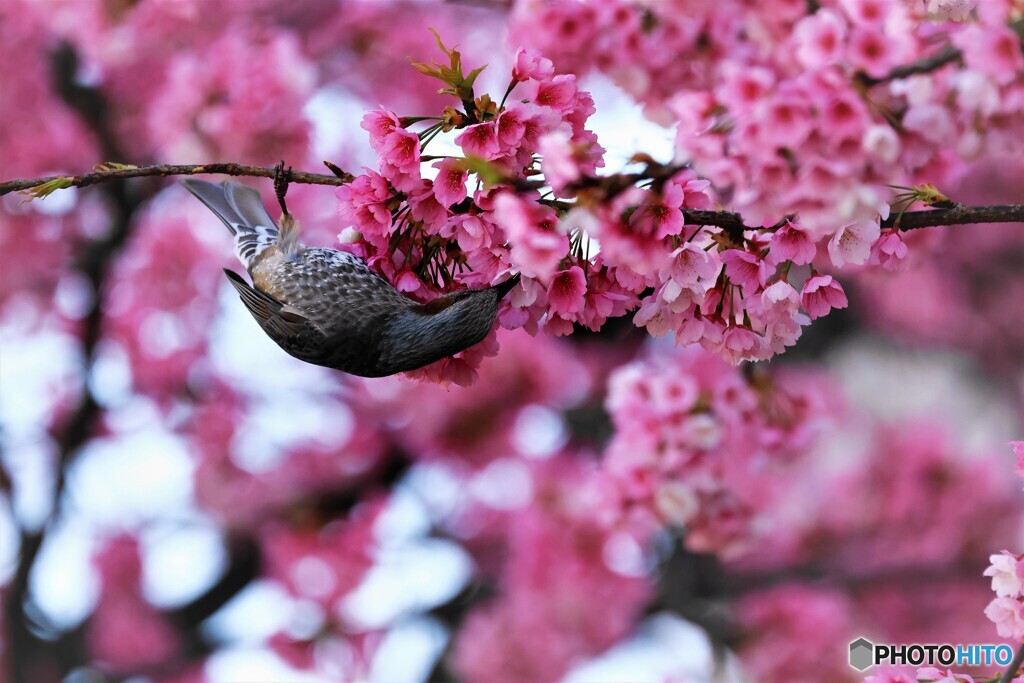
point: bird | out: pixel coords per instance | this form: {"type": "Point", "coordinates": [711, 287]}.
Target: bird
{"type": "Point", "coordinates": [327, 307]}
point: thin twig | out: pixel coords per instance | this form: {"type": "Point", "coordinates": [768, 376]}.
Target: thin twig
{"type": "Point", "coordinates": [232, 169]}
{"type": "Point", "coordinates": [1014, 667]}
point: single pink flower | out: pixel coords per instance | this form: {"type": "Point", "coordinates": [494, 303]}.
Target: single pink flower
{"type": "Point", "coordinates": [871, 50]}
{"type": "Point", "coordinates": [450, 183]}
{"type": "Point", "coordinates": [468, 230]}
{"type": "Point", "coordinates": [559, 93]}
{"type": "Point", "coordinates": [742, 88]}
{"type": "Point", "coordinates": [529, 63]}
{"type": "Point", "coordinates": [556, 325]}
{"type": "Point", "coordinates": [845, 117]}
{"type": "Point", "coordinates": [511, 127]}
{"type": "Point", "coordinates": [567, 291]}
{"type": "Point", "coordinates": [479, 140]}
{"type": "Point", "coordinates": [820, 39]}
{"type": "Point", "coordinates": [423, 206]}
{"type": "Point", "coordinates": [821, 294]}
{"type": "Point", "coordinates": [740, 343]}
{"type": "Point", "coordinates": [1008, 616]}
{"type": "Point", "coordinates": [782, 297]}
{"type": "Point", "coordinates": [656, 316]}
{"type": "Point", "coordinates": [380, 124]}
{"type": "Point", "coordinates": [852, 243]}
{"type": "Point", "coordinates": [791, 243]}
{"type": "Point", "coordinates": [890, 251]}
{"type": "Point", "coordinates": [881, 141]}
{"type": "Point", "coordinates": [868, 12]}
{"type": "Point", "coordinates": [659, 214]}
{"type": "Point", "coordinates": [786, 119]}
{"type": "Point", "coordinates": [401, 149]}
{"type": "Point", "coordinates": [745, 269]}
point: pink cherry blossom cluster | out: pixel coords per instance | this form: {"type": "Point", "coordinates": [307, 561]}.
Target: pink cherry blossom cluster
{"type": "Point", "coordinates": [795, 109]}
{"type": "Point", "coordinates": [1007, 609]}
{"type": "Point", "coordinates": [780, 103]}
{"type": "Point", "coordinates": [698, 445]}
{"type": "Point", "coordinates": [321, 566]}
{"type": "Point", "coordinates": [241, 97]}
{"type": "Point", "coordinates": [554, 569]}
{"type": "Point", "coordinates": [874, 525]}
{"type": "Point", "coordinates": [597, 248]}
{"type": "Point", "coordinates": [727, 457]}
{"type": "Point", "coordinates": [1007, 572]}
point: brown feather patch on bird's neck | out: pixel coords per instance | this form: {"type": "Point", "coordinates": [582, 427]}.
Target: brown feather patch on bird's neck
{"type": "Point", "coordinates": [437, 305]}
{"type": "Point", "coordinates": [289, 240]}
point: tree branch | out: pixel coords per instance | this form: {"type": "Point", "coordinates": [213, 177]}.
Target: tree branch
{"type": "Point", "coordinates": [958, 215]}
{"type": "Point", "coordinates": [102, 176]}
{"type": "Point", "coordinates": [946, 55]}
{"type": "Point", "coordinates": [727, 220]}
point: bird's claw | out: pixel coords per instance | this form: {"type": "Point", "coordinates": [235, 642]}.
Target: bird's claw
{"type": "Point", "coordinates": [282, 177]}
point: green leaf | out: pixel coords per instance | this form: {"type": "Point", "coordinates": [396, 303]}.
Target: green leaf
{"type": "Point", "coordinates": [485, 170]}
{"type": "Point", "coordinates": [46, 189]}
{"type": "Point", "coordinates": [471, 78]}
{"type": "Point", "coordinates": [112, 166]}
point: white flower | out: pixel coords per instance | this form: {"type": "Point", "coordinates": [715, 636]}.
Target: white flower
{"type": "Point", "coordinates": [1005, 580]}
{"type": "Point", "coordinates": [852, 243]}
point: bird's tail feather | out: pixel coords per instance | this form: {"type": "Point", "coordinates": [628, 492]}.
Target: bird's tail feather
{"type": "Point", "coordinates": [241, 210]}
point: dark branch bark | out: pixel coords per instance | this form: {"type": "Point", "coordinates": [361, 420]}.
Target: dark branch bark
{"type": "Point", "coordinates": [946, 55]}
{"type": "Point", "coordinates": [958, 215]}
{"type": "Point", "coordinates": [232, 169]}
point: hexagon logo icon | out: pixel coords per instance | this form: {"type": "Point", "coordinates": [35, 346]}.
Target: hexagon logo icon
{"type": "Point", "coordinates": [861, 654]}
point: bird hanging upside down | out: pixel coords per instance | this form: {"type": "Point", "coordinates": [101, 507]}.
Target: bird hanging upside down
{"type": "Point", "coordinates": [328, 308]}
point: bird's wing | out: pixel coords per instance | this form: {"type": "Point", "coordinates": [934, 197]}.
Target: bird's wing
{"type": "Point", "coordinates": [283, 323]}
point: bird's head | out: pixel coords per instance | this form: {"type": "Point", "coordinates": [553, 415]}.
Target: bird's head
{"type": "Point", "coordinates": [442, 327]}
